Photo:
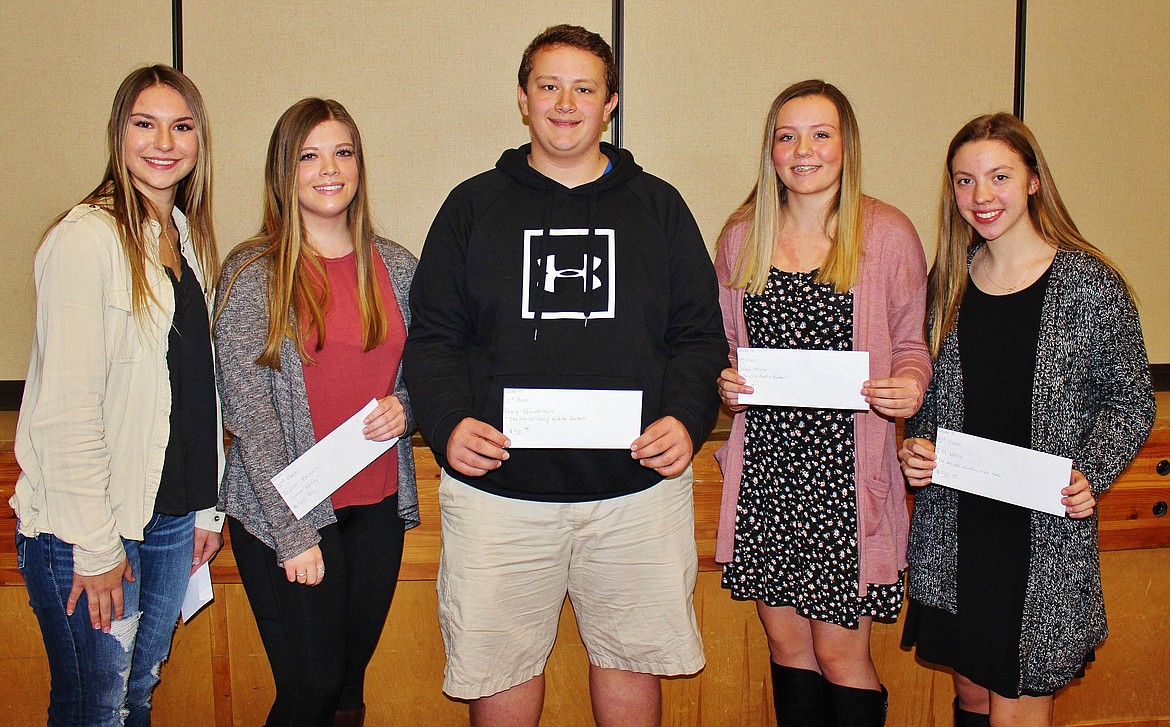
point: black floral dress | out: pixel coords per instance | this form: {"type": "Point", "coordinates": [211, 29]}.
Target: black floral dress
{"type": "Point", "coordinates": [796, 540]}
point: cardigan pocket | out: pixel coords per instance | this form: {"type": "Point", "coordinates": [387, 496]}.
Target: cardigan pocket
{"type": "Point", "coordinates": [872, 515]}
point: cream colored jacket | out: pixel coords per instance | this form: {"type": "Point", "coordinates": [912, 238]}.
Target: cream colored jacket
{"type": "Point", "coordinates": [95, 418]}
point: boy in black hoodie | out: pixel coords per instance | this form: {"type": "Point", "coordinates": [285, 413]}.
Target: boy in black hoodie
{"type": "Point", "coordinates": [565, 267]}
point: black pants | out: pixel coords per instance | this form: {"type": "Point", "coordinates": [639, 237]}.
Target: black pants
{"type": "Point", "coordinates": [320, 639]}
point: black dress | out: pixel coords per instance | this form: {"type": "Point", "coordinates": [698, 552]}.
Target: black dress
{"type": "Point", "coordinates": [796, 519]}
{"type": "Point", "coordinates": [981, 641]}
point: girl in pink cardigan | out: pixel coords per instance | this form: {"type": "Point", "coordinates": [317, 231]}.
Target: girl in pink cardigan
{"type": "Point", "coordinates": [813, 522]}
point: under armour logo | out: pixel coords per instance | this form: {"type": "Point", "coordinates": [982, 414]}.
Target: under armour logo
{"type": "Point", "coordinates": [569, 274]}
{"type": "Point", "coordinates": [552, 272]}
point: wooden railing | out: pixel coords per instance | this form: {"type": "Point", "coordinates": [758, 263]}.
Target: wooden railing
{"type": "Point", "coordinates": [1133, 513]}
{"type": "Point", "coordinates": [218, 674]}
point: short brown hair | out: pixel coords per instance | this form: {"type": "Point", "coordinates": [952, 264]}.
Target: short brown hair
{"type": "Point", "coordinates": [577, 37]}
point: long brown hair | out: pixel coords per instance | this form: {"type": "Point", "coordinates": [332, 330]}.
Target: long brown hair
{"type": "Point", "coordinates": [1050, 218]}
{"type": "Point", "coordinates": [764, 207]}
{"type": "Point", "coordinates": [298, 289]}
{"type": "Point", "coordinates": [117, 194]}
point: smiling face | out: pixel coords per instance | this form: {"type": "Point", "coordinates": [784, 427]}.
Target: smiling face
{"type": "Point", "coordinates": [807, 148]}
{"type": "Point", "coordinates": [566, 107]}
{"type": "Point", "coordinates": [161, 144]}
{"type": "Point", "coordinates": [992, 184]}
{"type": "Point", "coordinates": [327, 174]}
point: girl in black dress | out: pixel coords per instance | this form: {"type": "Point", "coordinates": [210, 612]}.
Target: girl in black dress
{"type": "Point", "coordinates": [1036, 343]}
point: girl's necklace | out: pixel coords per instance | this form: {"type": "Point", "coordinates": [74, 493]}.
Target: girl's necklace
{"type": "Point", "coordinates": [169, 250]}
{"type": "Point", "coordinates": [987, 275]}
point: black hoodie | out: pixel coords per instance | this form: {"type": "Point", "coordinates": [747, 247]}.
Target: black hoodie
{"type": "Point", "coordinates": [485, 315]}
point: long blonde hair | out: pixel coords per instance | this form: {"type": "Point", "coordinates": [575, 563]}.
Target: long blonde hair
{"type": "Point", "coordinates": [118, 196]}
{"type": "Point", "coordinates": [298, 289]}
{"type": "Point", "coordinates": [948, 277]}
{"type": "Point", "coordinates": [763, 209]}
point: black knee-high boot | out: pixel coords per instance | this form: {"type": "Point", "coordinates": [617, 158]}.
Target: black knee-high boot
{"type": "Point", "coordinates": [850, 707]}
{"type": "Point", "coordinates": [350, 717]}
{"type": "Point", "coordinates": [963, 718]}
{"type": "Point", "coordinates": [798, 696]}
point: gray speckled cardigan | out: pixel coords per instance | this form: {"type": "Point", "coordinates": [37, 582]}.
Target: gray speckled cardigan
{"type": "Point", "coordinates": [1092, 402]}
{"type": "Point", "coordinates": [267, 411]}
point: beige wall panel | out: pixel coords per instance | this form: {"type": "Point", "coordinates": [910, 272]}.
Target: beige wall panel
{"type": "Point", "coordinates": [1097, 97]}
{"type": "Point", "coordinates": [63, 61]}
{"type": "Point", "coordinates": [699, 78]}
{"type": "Point", "coordinates": [431, 85]}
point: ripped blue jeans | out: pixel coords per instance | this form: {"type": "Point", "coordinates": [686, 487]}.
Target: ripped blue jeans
{"type": "Point", "coordinates": [101, 679]}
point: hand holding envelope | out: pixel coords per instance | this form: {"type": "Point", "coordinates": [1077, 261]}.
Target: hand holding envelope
{"type": "Point", "coordinates": [798, 377]}
{"type": "Point", "coordinates": [572, 418]}
{"type": "Point", "coordinates": [199, 592]}
{"type": "Point", "coordinates": [476, 447]}
{"type": "Point", "coordinates": [816, 379]}
{"type": "Point", "coordinates": [894, 397]}
{"type": "Point", "coordinates": [999, 471]}
{"type": "Point", "coordinates": [330, 463]}
{"type": "Point", "coordinates": [665, 447]}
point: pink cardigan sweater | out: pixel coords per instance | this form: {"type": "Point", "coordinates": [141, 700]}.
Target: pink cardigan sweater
{"type": "Point", "coordinates": [889, 303]}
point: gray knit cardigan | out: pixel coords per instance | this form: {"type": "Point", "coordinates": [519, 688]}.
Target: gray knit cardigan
{"type": "Point", "coordinates": [267, 411]}
{"type": "Point", "coordinates": [1092, 402]}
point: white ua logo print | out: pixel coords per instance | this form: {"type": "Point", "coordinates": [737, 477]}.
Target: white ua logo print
{"type": "Point", "coordinates": [568, 274]}
{"type": "Point", "coordinates": [552, 273]}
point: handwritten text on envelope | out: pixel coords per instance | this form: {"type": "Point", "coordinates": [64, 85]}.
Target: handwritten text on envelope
{"type": "Point", "coordinates": [1001, 471]}
{"type": "Point", "coordinates": [329, 464]}
{"type": "Point", "coordinates": [572, 418]}
{"type": "Point", "coordinates": [796, 377]}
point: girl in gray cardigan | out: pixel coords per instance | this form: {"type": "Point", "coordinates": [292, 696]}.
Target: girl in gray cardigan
{"type": "Point", "coordinates": [1036, 343]}
{"type": "Point", "coordinates": [311, 320]}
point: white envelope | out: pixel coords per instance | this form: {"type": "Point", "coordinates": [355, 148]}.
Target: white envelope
{"type": "Point", "coordinates": [1003, 472]}
{"type": "Point", "coordinates": [572, 418]}
{"type": "Point", "coordinates": [199, 592]}
{"type": "Point", "coordinates": [329, 464]}
{"type": "Point", "coordinates": [797, 377]}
